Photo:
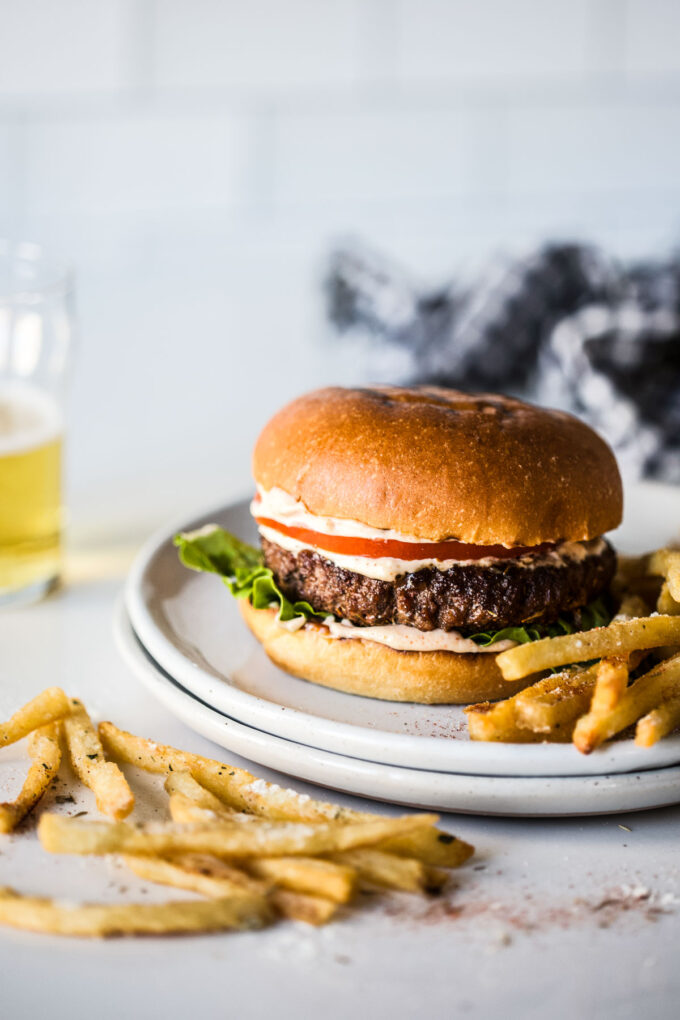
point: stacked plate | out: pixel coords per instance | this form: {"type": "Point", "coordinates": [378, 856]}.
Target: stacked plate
{"type": "Point", "coordinates": [182, 635]}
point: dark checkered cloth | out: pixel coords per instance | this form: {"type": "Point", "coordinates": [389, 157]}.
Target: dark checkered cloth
{"type": "Point", "coordinates": [565, 326]}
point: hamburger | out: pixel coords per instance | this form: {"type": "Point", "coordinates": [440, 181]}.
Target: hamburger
{"type": "Point", "coordinates": [408, 535]}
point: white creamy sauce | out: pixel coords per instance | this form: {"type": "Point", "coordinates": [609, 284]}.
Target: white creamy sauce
{"type": "Point", "coordinates": [383, 568]}
{"type": "Point", "coordinates": [387, 568]}
{"type": "Point", "coordinates": [280, 506]}
{"type": "Point", "coordinates": [410, 639]}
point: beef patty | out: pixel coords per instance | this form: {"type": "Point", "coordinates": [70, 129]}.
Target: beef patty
{"type": "Point", "coordinates": [468, 597]}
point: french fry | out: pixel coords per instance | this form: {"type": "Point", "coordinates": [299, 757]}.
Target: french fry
{"type": "Point", "coordinates": [260, 837]}
{"type": "Point", "coordinates": [299, 874]}
{"type": "Point", "coordinates": [658, 723]}
{"type": "Point", "coordinates": [333, 880]}
{"type": "Point", "coordinates": [498, 721]}
{"type": "Point", "coordinates": [666, 563]}
{"type": "Point", "coordinates": [208, 865]}
{"type": "Point", "coordinates": [666, 603]}
{"type": "Point", "coordinates": [551, 706]}
{"type": "Point", "coordinates": [183, 785]}
{"type": "Point", "coordinates": [377, 868]}
{"type": "Point", "coordinates": [243, 792]}
{"type": "Point", "coordinates": [648, 692]}
{"type": "Point", "coordinates": [618, 639]}
{"type": "Point", "coordinates": [110, 787]}
{"type": "Point", "coordinates": [35, 913]}
{"type": "Point", "coordinates": [528, 716]}
{"type": "Point", "coordinates": [47, 707]}
{"type": "Point", "coordinates": [631, 606]}
{"type": "Point", "coordinates": [431, 846]}
{"type": "Point", "coordinates": [186, 811]}
{"type": "Point", "coordinates": [45, 753]}
{"type": "Point", "coordinates": [211, 877]}
{"type": "Point", "coordinates": [315, 910]}
{"type": "Point", "coordinates": [611, 682]}
{"type": "Point", "coordinates": [203, 875]}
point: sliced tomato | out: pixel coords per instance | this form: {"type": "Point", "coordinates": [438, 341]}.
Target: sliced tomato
{"type": "Point", "coordinates": [374, 548]}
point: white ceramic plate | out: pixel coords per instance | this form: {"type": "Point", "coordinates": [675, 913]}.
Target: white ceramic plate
{"type": "Point", "coordinates": [527, 796]}
{"type": "Point", "coordinates": [191, 626]}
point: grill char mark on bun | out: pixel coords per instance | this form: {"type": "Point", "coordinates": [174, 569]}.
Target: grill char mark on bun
{"type": "Point", "coordinates": [466, 597]}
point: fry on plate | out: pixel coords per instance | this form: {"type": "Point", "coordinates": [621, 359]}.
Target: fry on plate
{"type": "Point", "coordinates": [223, 839]}
{"type": "Point", "coordinates": [631, 606]}
{"type": "Point", "coordinates": [618, 639]}
{"type": "Point", "coordinates": [110, 787]}
{"type": "Point", "coordinates": [498, 721]}
{"type": "Point", "coordinates": [244, 792]}
{"type": "Point", "coordinates": [658, 723]}
{"type": "Point", "coordinates": [44, 749]}
{"type": "Point", "coordinates": [39, 914]}
{"type": "Point", "coordinates": [611, 681]}
{"type": "Point", "coordinates": [543, 711]}
{"type": "Point", "coordinates": [666, 563]}
{"type": "Point", "coordinates": [47, 707]}
{"type": "Point", "coordinates": [666, 603]}
{"type": "Point", "coordinates": [643, 696]}
{"type": "Point", "coordinates": [551, 706]}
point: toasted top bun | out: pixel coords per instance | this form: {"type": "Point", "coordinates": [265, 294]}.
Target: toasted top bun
{"type": "Point", "coordinates": [434, 463]}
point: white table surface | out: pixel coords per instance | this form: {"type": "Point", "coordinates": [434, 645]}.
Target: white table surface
{"type": "Point", "coordinates": [559, 919]}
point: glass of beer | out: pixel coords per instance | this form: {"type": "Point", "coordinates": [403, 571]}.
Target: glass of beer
{"type": "Point", "coordinates": [37, 326]}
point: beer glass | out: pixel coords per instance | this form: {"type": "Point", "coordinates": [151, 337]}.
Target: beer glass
{"type": "Point", "coordinates": [37, 327]}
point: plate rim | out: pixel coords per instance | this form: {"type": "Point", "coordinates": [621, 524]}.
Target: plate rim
{"type": "Point", "coordinates": [415, 751]}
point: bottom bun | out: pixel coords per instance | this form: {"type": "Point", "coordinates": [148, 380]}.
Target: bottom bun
{"type": "Point", "coordinates": [376, 671]}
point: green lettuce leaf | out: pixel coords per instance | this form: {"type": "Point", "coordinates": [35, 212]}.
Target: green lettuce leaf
{"type": "Point", "coordinates": [242, 570]}
{"type": "Point", "coordinates": [595, 614]}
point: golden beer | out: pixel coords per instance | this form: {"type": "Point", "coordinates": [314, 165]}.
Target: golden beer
{"type": "Point", "coordinates": [30, 488]}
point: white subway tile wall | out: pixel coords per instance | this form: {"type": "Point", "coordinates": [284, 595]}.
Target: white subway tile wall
{"type": "Point", "coordinates": [338, 112]}
{"type": "Point", "coordinates": [622, 152]}
{"type": "Point", "coordinates": [64, 47]}
{"type": "Point", "coordinates": [651, 45]}
{"type": "Point", "coordinates": [261, 44]}
{"type": "Point", "coordinates": [197, 158]}
{"type": "Point", "coordinates": [273, 109]}
{"type": "Point", "coordinates": [449, 40]}
{"type": "Point", "coordinates": [136, 162]}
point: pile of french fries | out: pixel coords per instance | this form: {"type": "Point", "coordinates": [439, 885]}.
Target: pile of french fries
{"type": "Point", "coordinates": [252, 850]}
{"type": "Point", "coordinates": [588, 697]}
